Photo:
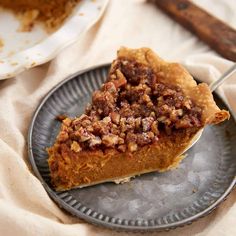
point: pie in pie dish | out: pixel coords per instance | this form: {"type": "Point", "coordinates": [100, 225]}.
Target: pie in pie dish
{"type": "Point", "coordinates": [141, 120]}
{"type": "Point", "coordinates": [52, 13]}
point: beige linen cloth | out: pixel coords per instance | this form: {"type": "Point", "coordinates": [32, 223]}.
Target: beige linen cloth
{"type": "Point", "coordinates": [25, 207]}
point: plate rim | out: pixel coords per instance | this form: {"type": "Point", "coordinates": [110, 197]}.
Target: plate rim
{"type": "Point", "coordinates": [96, 221]}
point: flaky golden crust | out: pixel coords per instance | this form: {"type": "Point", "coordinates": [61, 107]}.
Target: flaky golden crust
{"type": "Point", "coordinates": [175, 74]}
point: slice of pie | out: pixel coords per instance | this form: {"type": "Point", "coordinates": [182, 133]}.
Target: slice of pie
{"type": "Point", "coordinates": [141, 120]}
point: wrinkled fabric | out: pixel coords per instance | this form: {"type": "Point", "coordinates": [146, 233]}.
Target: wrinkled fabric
{"type": "Point", "coordinates": [25, 207]}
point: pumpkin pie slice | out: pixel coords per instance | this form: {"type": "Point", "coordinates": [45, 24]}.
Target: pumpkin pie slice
{"type": "Point", "coordinates": [141, 120]}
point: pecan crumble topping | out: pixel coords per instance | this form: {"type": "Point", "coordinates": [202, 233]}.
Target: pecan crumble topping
{"type": "Point", "coordinates": [132, 109]}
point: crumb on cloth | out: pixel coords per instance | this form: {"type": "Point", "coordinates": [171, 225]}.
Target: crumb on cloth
{"type": "Point", "coordinates": [1, 43]}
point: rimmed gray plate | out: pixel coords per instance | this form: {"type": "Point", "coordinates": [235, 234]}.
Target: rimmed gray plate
{"type": "Point", "coordinates": [156, 201]}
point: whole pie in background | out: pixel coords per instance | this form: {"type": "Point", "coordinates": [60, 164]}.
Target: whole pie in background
{"type": "Point", "coordinates": [141, 120]}
{"type": "Point", "coordinates": [52, 13]}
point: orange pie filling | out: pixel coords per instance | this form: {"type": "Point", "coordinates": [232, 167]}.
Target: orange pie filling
{"type": "Point", "coordinates": [141, 120]}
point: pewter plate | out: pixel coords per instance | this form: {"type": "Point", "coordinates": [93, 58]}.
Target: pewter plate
{"type": "Point", "coordinates": [156, 201]}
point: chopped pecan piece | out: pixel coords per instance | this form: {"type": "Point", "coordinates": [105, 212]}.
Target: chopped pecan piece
{"type": "Point", "coordinates": [107, 120]}
{"type": "Point", "coordinates": [110, 140]}
{"type": "Point", "coordinates": [85, 123]}
{"type": "Point", "coordinates": [100, 128]}
{"type": "Point", "coordinates": [145, 138]}
{"type": "Point", "coordinates": [95, 141]}
{"type": "Point", "coordinates": [185, 122]}
{"type": "Point", "coordinates": [121, 81]}
{"type": "Point", "coordinates": [187, 103]}
{"type": "Point", "coordinates": [122, 148]}
{"type": "Point", "coordinates": [154, 128]}
{"type": "Point", "coordinates": [147, 123]}
{"type": "Point", "coordinates": [130, 123]}
{"type": "Point", "coordinates": [67, 121]}
{"type": "Point", "coordinates": [61, 117]}
{"type": "Point", "coordinates": [168, 92]}
{"type": "Point", "coordinates": [131, 137]}
{"type": "Point", "coordinates": [83, 135]}
{"type": "Point", "coordinates": [115, 117]}
{"type": "Point", "coordinates": [79, 120]}
{"type": "Point", "coordinates": [121, 140]}
{"type": "Point", "coordinates": [125, 110]}
{"type": "Point", "coordinates": [138, 122]}
{"type": "Point", "coordinates": [123, 127]}
{"type": "Point", "coordinates": [75, 147]}
{"type": "Point", "coordinates": [104, 102]}
{"type": "Point", "coordinates": [110, 87]}
{"type": "Point", "coordinates": [63, 136]}
{"type": "Point", "coordinates": [132, 147]}
{"type": "Point", "coordinates": [175, 114]}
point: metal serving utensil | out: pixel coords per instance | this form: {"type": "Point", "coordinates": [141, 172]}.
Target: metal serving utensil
{"type": "Point", "coordinates": [213, 86]}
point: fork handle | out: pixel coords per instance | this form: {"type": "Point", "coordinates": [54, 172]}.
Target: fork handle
{"type": "Point", "coordinates": [214, 85]}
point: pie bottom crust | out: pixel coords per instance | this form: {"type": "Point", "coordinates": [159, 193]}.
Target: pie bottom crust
{"type": "Point", "coordinates": [86, 168]}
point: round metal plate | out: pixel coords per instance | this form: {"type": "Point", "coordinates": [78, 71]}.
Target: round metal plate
{"type": "Point", "coordinates": [156, 201]}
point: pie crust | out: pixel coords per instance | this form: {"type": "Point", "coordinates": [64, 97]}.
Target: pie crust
{"type": "Point", "coordinates": [141, 120]}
